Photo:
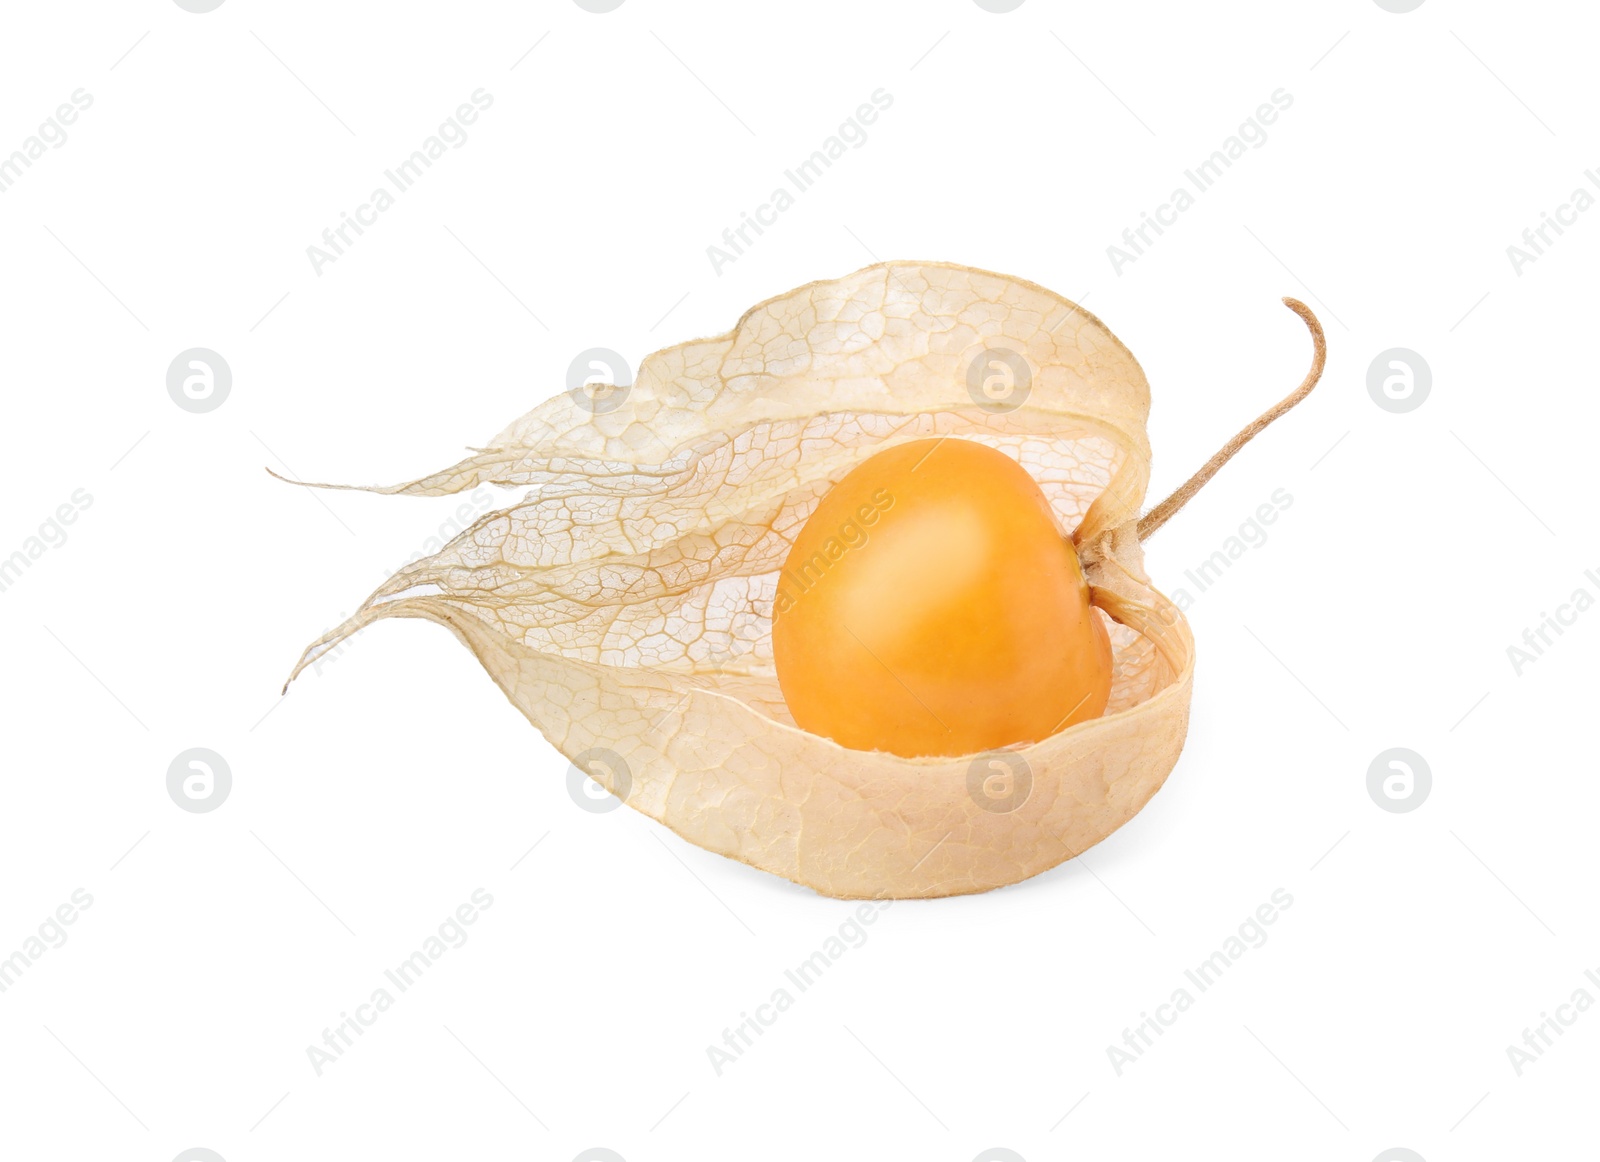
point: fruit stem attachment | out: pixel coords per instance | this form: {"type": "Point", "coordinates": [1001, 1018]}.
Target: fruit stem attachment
{"type": "Point", "coordinates": [1161, 513]}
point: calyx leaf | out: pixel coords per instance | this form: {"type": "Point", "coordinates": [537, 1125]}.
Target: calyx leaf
{"type": "Point", "coordinates": [625, 604]}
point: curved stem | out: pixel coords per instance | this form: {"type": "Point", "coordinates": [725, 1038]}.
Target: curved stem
{"type": "Point", "coordinates": [1161, 513]}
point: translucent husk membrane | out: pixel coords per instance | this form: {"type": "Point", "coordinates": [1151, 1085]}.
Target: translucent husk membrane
{"type": "Point", "coordinates": [625, 605]}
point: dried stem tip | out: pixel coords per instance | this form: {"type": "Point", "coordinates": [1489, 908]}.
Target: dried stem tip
{"type": "Point", "coordinates": [1160, 514]}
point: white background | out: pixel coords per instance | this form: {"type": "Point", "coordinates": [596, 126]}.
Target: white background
{"type": "Point", "coordinates": [372, 801]}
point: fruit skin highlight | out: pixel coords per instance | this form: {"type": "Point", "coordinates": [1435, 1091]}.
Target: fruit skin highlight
{"type": "Point", "coordinates": [933, 606]}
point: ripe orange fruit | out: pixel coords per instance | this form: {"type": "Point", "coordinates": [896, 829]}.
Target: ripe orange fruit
{"type": "Point", "coordinates": [933, 606]}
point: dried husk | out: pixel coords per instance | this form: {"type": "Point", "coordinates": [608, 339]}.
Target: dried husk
{"type": "Point", "coordinates": [625, 605]}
